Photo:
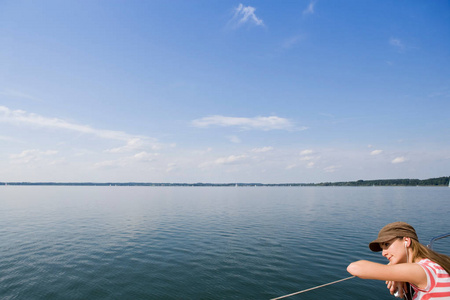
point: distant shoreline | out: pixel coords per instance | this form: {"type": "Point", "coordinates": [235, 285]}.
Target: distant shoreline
{"type": "Point", "coordinates": [440, 181]}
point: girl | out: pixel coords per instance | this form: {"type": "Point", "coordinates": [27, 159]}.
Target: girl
{"type": "Point", "coordinates": [425, 270]}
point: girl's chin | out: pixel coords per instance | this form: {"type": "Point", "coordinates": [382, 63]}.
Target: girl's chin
{"type": "Point", "coordinates": [393, 261]}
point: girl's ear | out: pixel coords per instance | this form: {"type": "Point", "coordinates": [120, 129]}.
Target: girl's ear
{"type": "Point", "coordinates": [407, 241]}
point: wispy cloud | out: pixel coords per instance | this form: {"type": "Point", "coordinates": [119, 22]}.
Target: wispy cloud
{"type": "Point", "coordinates": [262, 150]}
{"type": "Point", "coordinates": [399, 160]}
{"type": "Point", "coordinates": [171, 167]}
{"type": "Point", "coordinates": [226, 160]}
{"type": "Point", "coordinates": [232, 159]}
{"type": "Point", "coordinates": [245, 15]}
{"type": "Point", "coordinates": [306, 152]}
{"type": "Point", "coordinates": [397, 44]}
{"type": "Point", "coordinates": [8, 139]}
{"type": "Point", "coordinates": [256, 123]}
{"type": "Point", "coordinates": [310, 165]}
{"type": "Point", "coordinates": [443, 93]}
{"type": "Point", "coordinates": [376, 152]}
{"type": "Point", "coordinates": [291, 166]}
{"type": "Point", "coordinates": [203, 152]}
{"type": "Point", "coordinates": [234, 139]}
{"type": "Point", "coordinates": [18, 94]}
{"type": "Point", "coordinates": [33, 155]}
{"type": "Point", "coordinates": [132, 142]}
{"type": "Point", "coordinates": [310, 9]}
{"type": "Point", "coordinates": [24, 118]}
{"type": "Point", "coordinates": [331, 169]}
{"type": "Point", "coordinates": [309, 156]}
{"type": "Point", "coordinates": [138, 158]}
{"type": "Point", "coordinates": [292, 41]}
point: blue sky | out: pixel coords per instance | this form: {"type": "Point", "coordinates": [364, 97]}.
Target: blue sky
{"type": "Point", "coordinates": [224, 91]}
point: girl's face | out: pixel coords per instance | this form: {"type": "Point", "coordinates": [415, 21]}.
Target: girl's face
{"type": "Point", "coordinates": [394, 250]}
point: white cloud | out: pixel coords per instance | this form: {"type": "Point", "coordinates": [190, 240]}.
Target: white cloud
{"type": "Point", "coordinates": [133, 142]}
{"type": "Point", "coordinates": [309, 165]}
{"type": "Point", "coordinates": [230, 159]}
{"type": "Point", "coordinates": [138, 158]}
{"type": "Point", "coordinates": [307, 158]}
{"type": "Point", "coordinates": [22, 117]}
{"type": "Point", "coordinates": [292, 166]}
{"type": "Point", "coordinates": [292, 41]}
{"type": "Point", "coordinates": [33, 155]}
{"type": "Point", "coordinates": [108, 164]}
{"type": "Point", "coordinates": [144, 156]}
{"type": "Point", "coordinates": [444, 93]}
{"type": "Point", "coordinates": [202, 152]}
{"type": "Point", "coordinates": [226, 160]}
{"type": "Point", "coordinates": [376, 152]}
{"type": "Point", "coordinates": [258, 123]}
{"type": "Point", "coordinates": [18, 94]}
{"type": "Point", "coordinates": [234, 139]}
{"type": "Point", "coordinates": [310, 9]}
{"type": "Point", "coordinates": [307, 152]}
{"type": "Point", "coordinates": [331, 169]}
{"type": "Point", "coordinates": [306, 155]}
{"type": "Point", "coordinates": [171, 167]}
{"type": "Point", "coordinates": [8, 139]}
{"type": "Point", "coordinates": [399, 160]}
{"type": "Point", "coordinates": [245, 14]}
{"type": "Point", "coordinates": [261, 150]}
{"type": "Point", "coordinates": [396, 43]}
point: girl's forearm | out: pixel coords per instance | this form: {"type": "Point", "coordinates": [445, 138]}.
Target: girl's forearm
{"type": "Point", "coordinates": [366, 269]}
{"type": "Point", "coordinates": [407, 272]}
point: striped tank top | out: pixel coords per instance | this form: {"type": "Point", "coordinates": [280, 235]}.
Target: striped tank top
{"type": "Point", "coordinates": [438, 282]}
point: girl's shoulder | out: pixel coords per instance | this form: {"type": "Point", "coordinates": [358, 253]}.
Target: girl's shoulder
{"type": "Point", "coordinates": [438, 280]}
{"type": "Point", "coordinates": [426, 262]}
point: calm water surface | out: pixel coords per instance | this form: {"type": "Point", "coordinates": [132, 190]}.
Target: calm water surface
{"type": "Point", "coordinates": [202, 242]}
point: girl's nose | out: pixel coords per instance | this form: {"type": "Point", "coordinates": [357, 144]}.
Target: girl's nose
{"type": "Point", "coordinates": [384, 252]}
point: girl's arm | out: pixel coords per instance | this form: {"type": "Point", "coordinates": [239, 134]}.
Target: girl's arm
{"type": "Point", "coordinates": [407, 272]}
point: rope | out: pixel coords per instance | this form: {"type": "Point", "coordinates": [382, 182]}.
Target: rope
{"type": "Point", "coordinates": [330, 283]}
{"type": "Point", "coordinates": [437, 238]}
{"type": "Point", "coordinates": [313, 288]}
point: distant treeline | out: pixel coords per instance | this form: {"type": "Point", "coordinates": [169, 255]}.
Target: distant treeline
{"type": "Point", "coordinates": [441, 181]}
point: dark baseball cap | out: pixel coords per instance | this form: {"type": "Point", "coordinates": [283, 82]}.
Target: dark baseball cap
{"type": "Point", "coordinates": [392, 231]}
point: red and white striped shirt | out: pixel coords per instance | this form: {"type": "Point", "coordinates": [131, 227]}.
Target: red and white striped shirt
{"type": "Point", "coordinates": [438, 282]}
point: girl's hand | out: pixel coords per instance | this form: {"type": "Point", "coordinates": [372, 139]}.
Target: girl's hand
{"type": "Point", "coordinates": [396, 286]}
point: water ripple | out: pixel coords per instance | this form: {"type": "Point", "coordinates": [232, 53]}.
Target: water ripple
{"type": "Point", "coordinates": [198, 243]}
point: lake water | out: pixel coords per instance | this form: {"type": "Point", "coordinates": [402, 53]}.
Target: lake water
{"type": "Point", "coordinates": [202, 242]}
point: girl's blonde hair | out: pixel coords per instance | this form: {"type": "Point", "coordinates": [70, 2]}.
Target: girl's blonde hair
{"type": "Point", "coordinates": [421, 251]}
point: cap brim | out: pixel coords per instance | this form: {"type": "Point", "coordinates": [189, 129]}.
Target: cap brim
{"type": "Point", "coordinates": [375, 245]}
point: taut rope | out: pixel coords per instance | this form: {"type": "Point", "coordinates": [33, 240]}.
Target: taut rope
{"type": "Point", "coordinates": [313, 288]}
